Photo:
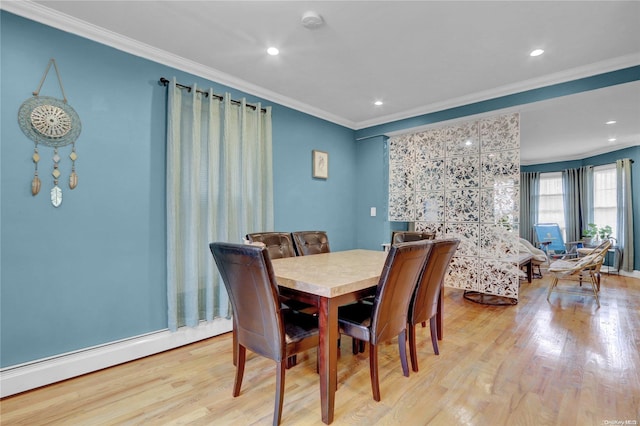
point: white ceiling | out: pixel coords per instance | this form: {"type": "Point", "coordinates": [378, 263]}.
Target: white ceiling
{"type": "Point", "coordinates": [416, 56]}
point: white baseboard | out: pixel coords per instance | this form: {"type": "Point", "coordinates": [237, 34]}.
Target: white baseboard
{"type": "Point", "coordinates": [23, 377]}
{"type": "Point", "coordinates": [632, 274]}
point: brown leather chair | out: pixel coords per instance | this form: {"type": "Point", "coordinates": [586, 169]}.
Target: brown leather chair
{"type": "Point", "coordinates": [406, 236]}
{"type": "Point", "coordinates": [424, 303]}
{"type": "Point", "coordinates": [279, 244]}
{"type": "Point", "coordinates": [397, 237]}
{"type": "Point", "coordinates": [386, 318]}
{"type": "Point", "coordinates": [261, 325]}
{"type": "Point", "coordinates": [310, 242]}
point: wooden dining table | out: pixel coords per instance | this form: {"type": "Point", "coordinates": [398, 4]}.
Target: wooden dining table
{"type": "Point", "coordinates": [328, 281]}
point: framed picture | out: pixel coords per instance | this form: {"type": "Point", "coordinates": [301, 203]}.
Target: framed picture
{"type": "Point", "coordinates": [320, 164]}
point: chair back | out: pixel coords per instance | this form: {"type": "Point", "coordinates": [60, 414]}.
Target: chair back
{"type": "Point", "coordinates": [248, 277]}
{"type": "Point", "coordinates": [550, 232]}
{"type": "Point", "coordinates": [398, 280]}
{"type": "Point", "coordinates": [601, 249]}
{"type": "Point", "coordinates": [310, 242]}
{"type": "Point", "coordinates": [407, 236]}
{"type": "Point", "coordinates": [279, 244]}
{"type": "Point", "coordinates": [591, 262]}
{"type": "Point", "coordinates": [424, 303]}
{"type": "Point", "coordinates": [598, 254]}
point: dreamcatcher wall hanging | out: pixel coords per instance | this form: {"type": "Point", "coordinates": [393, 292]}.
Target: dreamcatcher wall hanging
{"type": "Point", "coordinates": [51, 122]}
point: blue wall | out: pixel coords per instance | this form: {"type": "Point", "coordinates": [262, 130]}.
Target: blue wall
{"type": "Point", "coordinates": [93, 270]}
{"type": "Point", "coordinates": [599, 160]}
{"type": "Point", "coordinates": [371, 184]}
{"type": "Point", "coordinates": [301, 201]}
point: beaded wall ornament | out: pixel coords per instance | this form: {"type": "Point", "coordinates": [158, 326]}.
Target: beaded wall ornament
{"type": "Point", "coordinates": [54, 123]}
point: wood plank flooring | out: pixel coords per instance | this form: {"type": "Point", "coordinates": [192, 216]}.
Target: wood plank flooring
{"type": "Point", "coordinates": [536, 363]}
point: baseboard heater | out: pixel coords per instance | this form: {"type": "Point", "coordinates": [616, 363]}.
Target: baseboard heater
{"type": "Point", "coordinates": [20, 378]}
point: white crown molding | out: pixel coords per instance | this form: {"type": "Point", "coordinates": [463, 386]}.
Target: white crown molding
{"type": "Point", "coordinates": [53, 18]}
{"type": "Point", "coordinates": [523, 86]}
{"type": "Point", "coordinates": [582, 155]}
{"type": "Point", "coordinates": [44, 15]}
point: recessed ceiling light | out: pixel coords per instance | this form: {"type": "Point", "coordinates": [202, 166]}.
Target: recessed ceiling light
{"type": "Point", "coordinates": [378, 103]}
{"type": "Point", "coordinates": [611, 122]}
{"type": "Point", "coordinates": [273, 51]}
{"type": "Point", "coordinates": [536, 52]}
{"type": "Point", "coordinates": [468, 143]}
{"type": "Point", "coordinates": [612, 139]}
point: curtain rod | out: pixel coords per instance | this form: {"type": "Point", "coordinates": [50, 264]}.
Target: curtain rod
{"type": "Point", "coordinates": [165, 82]}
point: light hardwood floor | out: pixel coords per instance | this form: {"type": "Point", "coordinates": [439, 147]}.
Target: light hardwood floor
{"type": "Point", "coordinates": [536, 363]}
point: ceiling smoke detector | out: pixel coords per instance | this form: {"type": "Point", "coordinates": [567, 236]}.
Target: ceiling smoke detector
{"type": "Point", "coordinates": [312, 20]}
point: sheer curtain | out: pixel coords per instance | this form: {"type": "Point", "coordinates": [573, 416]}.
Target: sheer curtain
{"type": "Point", "coordinates": [625, 213]}
{"type": "Point", "coordinates": [219, 186]}
{"type": "Point", "coordinates": [529, 197]}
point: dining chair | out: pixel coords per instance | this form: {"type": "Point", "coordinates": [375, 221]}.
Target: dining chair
{"type": "Point", "coordinates": [424, 303]}
{"type": "Point", "coordinates": [260, 323]}
{"type": "Point", "coordinates": [396, 237]}
{"type": "Point", "coordinates": [386, 318]}
{"type": "Point", "coordinates": [279, 244]}
{"type": "Point", "coordinates": [310, 242]}
{"type": "Point", "coordinates": [406, 236]}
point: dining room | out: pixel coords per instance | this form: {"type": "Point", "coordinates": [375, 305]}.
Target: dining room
{"type": "Point", "coordinates": [91, 310]}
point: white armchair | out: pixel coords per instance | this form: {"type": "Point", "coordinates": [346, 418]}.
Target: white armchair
{"type": "Point", "coordinates": [539, 256]}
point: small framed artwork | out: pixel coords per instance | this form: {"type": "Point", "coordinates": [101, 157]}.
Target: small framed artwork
{"type": "Point", "coordinates": [320, 164]}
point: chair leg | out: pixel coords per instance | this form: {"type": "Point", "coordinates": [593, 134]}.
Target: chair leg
{"type": "Point", "coordinates": [357, 346]}
{"type": "Point", "coordinates": [373, 371]}
{"type": "Point", "coordinates": [291, 361]}
{"type": "Point", "coordinates": [536, 274]}
{"type": "Point", "coordinates": [554, 282]}
{"type": "Point", "coordinates": [402, 347]}
{"type": "Point", "coordinates": [235, 346]}
{"type": "Point", "coordinates": [241, 356]}
{"type": "Point", "coordinates": [277, 412]}
{"type": "Point", "coordinates": [596, 286]}
{"type": "Point", "coordinates": [413, 351]}
{"type": "Point", "coordinates": [434, 335]}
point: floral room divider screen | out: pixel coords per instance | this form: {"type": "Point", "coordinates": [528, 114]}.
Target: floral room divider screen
{"type": "Point", "coordinates": [463, 181]}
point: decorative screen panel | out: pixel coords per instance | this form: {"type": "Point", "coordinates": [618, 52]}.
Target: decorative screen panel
{"type": "Point", "coordinates": [462, 181]}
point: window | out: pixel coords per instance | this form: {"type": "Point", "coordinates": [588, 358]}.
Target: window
{"type": "Point", "coordinates": [605, 201]}
{"type": "Point", "coordinates": [551, 203]}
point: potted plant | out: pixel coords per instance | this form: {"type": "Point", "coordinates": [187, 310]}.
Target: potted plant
{"type": "Point", "coordinates": [590, 233]}
{"type": "Point", "coordinates": [605, 232]}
